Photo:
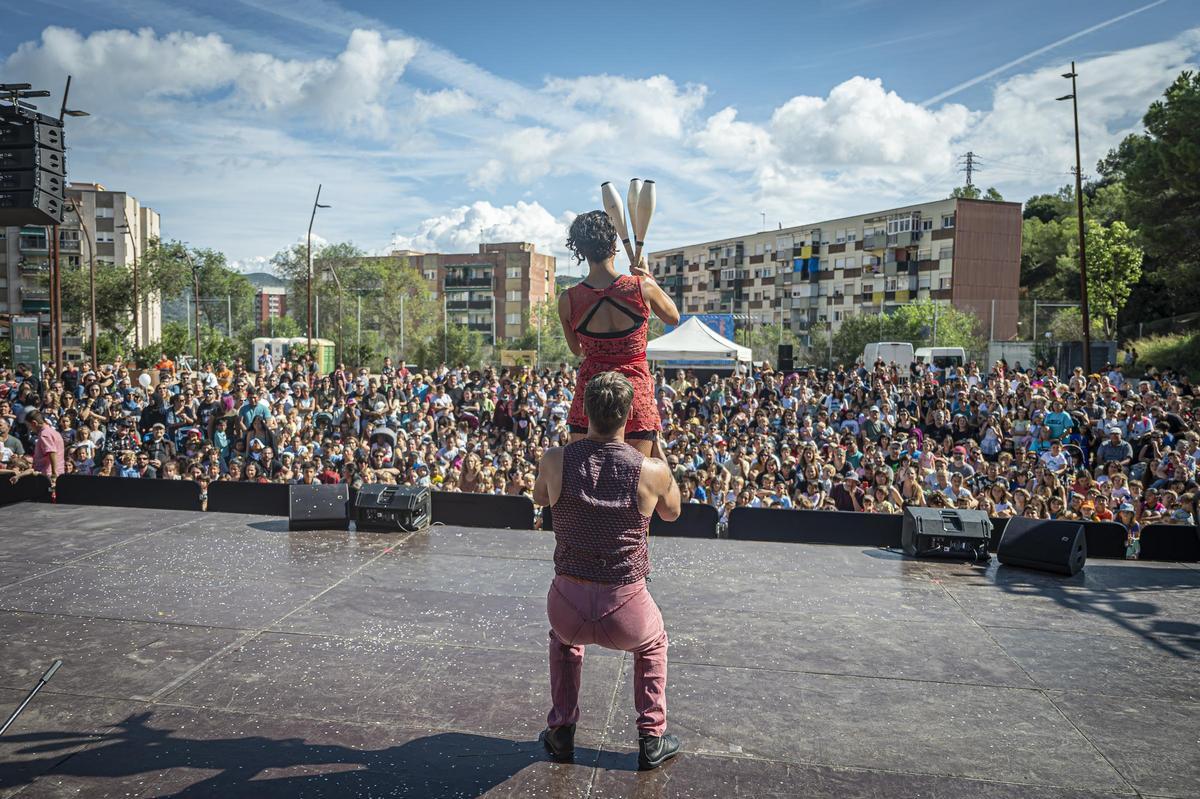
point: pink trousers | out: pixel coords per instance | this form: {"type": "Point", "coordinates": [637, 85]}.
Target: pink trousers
{"type": "Point", "coordinates": [615, 616]}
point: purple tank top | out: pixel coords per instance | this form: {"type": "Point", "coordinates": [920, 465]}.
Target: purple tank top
{"type": "Point", "coordinates": [600, 532]}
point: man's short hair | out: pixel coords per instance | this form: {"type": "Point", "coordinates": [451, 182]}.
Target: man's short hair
{"type": "Point", "coordinates": [33, 415]}
{"type": "Point", "coordinates": [607, 399]}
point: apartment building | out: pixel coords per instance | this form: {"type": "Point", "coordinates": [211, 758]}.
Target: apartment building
{"type": "Point", "coordinates": [121, 229]}
{"type": "Point", "coordinates": [491, 291]}
{"type": "Point", "coordinates": [966, 253]}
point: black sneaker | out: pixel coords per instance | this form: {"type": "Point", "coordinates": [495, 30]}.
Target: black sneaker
{"type": "Point", "coordinates": [559, 742]}
{"type": "Point", "coordinates": [653, 751]}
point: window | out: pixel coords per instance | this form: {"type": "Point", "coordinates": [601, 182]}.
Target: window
{"type": "Point", "coordinates": [926, 224]}
{"type": "Point", "coordinates": [514, 273]}
{"type": "Point", "coordinates": [839, 263]}
{"type": "Point", "coordinates": [901, 224]}
{"type": "Point", "coordinates": [513, 296]}
{"type": "Point", "coordinates": [923, 283]}
{"type": "Point", "coordinates": [868, 288]}
{"type": "Point", "coordinates": [431, 274]}
{"type": "Point", "coordinates": [839, 236]}
{"type": "Point", "coordinates": [946, 252]}
{"type": "Point", "coordinates": [852, 235]}
{"type": "Point", "coordinates": [947, 220]}
{"type": "Point", "coordinates": [837, 316]}
{"type": "Point", "coordinates": [944, 283]}
{"type": "Point", "coordinates": [847, 288]}
{"type": "Point", "coordinates": [890, 284]}
{"type": "Point", "coordinates": [104, 237]}
{"type": "Point", "coordinates": [104, 213]}
{"type": "Point", "coordinates": [512, 319]}
{"type": "Point", "coordinates": [851, 261]}
{"type": "Point", "coordinates": [758, 249]}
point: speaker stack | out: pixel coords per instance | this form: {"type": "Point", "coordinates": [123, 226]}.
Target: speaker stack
{"type": "Point", "coordinates": [1052, 546]}
{"type": "Point", "coordinates": [33, 163]}
{"type": "Point", "coordinates": [785, 359]}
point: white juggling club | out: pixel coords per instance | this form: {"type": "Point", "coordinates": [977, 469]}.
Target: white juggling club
{"type": "Point", "coordinates": [645, 211]}
{"type": "Point", "coordinates": [616, 214]}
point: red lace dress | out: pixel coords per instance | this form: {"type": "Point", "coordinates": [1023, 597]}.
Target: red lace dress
{"type": "Point", "coordinates": [623, 351]}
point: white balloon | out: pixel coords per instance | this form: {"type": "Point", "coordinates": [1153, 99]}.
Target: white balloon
{"type": "Point", "coordinates": [144, 380]}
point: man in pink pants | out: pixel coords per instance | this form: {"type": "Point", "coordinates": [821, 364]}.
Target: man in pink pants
{"type": "Point", "coordinates": [603, 493]}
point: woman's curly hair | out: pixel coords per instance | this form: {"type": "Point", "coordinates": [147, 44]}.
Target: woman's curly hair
{"type": "Point", "coordinates": [592, 237]}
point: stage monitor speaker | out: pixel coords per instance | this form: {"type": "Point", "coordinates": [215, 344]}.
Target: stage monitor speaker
{"type": "Point", "coordinates": [383, 508]}
{"type": "Point", "coordinates": [785, 359]}
{"type": "Point", "coordinates": [1052, 546]}
{"type": "Point", "coordinates": [318, 507]}
{"type": "Point", "coordinates": [946, 533]}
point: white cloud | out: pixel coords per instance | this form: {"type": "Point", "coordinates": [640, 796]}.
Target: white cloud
{"type": "Point", "coordinates": [738, 145]}
{"type": "Point", "coordinates": [462, 229]}
{"type": "Point", "coordinates": [447, 102]}
{"type": "Point", "coordinates": [140, 72]}
{"type": "Point", "coordinates": [651, 107]}
{"type": "Point", "coordinates": [861, 124]}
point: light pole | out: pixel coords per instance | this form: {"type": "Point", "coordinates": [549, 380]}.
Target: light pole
{"type": "Point", "coordinates": [55, 267]}
{"type": "Point", "coordinates": [137, 298]}
{"type": "Point", "coordinates": [1083, 289]}
{"type": "Point", "coordinates": [311, 219]}
{"type": "Point", "coordinates": [91, 280]}
{"type": "Point", "coordinates": [187, 253]}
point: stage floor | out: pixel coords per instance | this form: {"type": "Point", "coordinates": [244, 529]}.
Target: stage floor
{"type": "Point", "coordinates": [214, 655]}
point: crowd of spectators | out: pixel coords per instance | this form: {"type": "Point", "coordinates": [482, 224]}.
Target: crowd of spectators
{"type": "Point", "coordinates": [871, 438]}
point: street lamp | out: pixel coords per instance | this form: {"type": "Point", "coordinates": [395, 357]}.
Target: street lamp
{"type": "Point", "coordinates": [137, 298]}
{"type": "Point", "coordinates": [311, 219]}
{"type": "Point", "coordinates": [1083, 289]}
{"type": "Point", "coordinates": [187, 253]}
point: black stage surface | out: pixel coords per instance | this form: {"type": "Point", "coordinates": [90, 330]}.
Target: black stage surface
{"type": "Point", "coordinates": [215, 655]}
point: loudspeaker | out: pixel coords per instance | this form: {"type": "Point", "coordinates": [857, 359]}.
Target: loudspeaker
{"type": "Point", "coordinates": [392, 509]}
{"type": "Point", "coordinates": [946, 533]}
{"type": "Point", "coordinates": [15, 133]}
{"type": "Point", "coordinates": [785, 361]}
{"type": "Point", "coordinates": [33, 168]}
{"type": "Point", "coordinates": [33, 158]}
{"type": "Point", "coordinates": [318, 507]}
{"type": "Point", "coordinates": [1052, 546]}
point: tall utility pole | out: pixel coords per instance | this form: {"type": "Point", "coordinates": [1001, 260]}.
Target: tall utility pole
{"type": "Point", "coordinates": [195, 294]}
{"type": "Point", "coordinates": [309, 260]}
{"type": "Point", "coordinates": [1083, 289]}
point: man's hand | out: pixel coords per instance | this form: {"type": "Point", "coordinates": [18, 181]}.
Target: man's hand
{"type": "Point", "coordinates": [656, 448]}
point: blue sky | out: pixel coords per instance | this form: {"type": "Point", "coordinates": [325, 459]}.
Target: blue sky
{"type": "Point", "coordinates": [428, 122]}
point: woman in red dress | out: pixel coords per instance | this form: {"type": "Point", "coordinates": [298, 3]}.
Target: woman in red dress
{"type": "Point", "coordinates": [605, 319]}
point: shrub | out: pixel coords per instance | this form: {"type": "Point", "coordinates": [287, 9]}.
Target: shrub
{"type": "Point", "coordinates": [1178, 351]}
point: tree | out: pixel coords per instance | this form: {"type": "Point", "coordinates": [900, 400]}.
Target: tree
{"type": "Point", "coordinates": [552, 344]}
{"type": "Point", "coordinates": [1114, 263]}
{"type": "Point", "coordinates": [1160, 170]}
{"type": "Point", "coordinates": [1067, 325]}
{"type": "Point", "coordinates": [973, 193]}
{"type": "Point", "coordinates": [1050, 207]}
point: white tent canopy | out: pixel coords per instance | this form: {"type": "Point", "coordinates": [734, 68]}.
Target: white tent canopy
{"type": "Point", "coordinates": [695, 341]}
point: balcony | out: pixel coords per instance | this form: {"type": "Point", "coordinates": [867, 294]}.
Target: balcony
{"type": "Point", "coordinates": [35, 295]}
{"type": "Point", "coordinates": [68, 245]}
{"type": "Point", "coordinates": [463, 305]}
{"type": "Point", "coordinates": [32, 267]}
{"type": "Point", "coordinates": [467, 282]}
{"type": "Point", "coordinates": [33, 245]}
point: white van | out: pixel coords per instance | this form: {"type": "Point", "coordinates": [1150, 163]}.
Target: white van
{"type": "Point", "coordinates": [942, 357]}
{"type": "Point", "coordinates": [892, 352]}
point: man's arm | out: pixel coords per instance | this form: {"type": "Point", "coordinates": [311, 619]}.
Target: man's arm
{"type": "Point", "coordinates": [669, 502]}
